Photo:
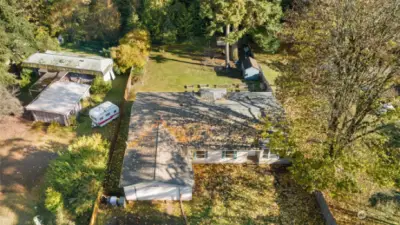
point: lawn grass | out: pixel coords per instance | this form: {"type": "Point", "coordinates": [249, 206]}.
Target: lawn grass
{"type": "Point", "coordinates": [172, 67]}
{"type": "Point", "coordinates": [116, 96]}
{"type": "Point", "coordinates": [112, 178]}
{"type": "Point", "coordinates": [379, 205]}
{"type": "Point", "coordinates": [87, 49]}
{"type": "Point", "coordinates": [271, 65]}
{"type": "Point", "coordinates": [228, 194]}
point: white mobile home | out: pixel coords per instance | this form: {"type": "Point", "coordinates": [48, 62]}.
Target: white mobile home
{"type": "Point", "coordinates": [58, 102]}
{"type": "Point", "coordinates": [73, 63]}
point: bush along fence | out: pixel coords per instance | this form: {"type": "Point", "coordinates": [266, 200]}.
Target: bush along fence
{"type": "Point", "coordinates": [328, 217]}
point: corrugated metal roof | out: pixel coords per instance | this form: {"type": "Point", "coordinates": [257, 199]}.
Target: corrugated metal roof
{"type": "Point", "coordinates": [63, 61]}
{"type": "Point", "coordinates": [60, 97]}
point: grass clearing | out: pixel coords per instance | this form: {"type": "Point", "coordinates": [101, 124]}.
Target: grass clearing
{"type": "Point", "coordinates": [171, 67]}
{"type": "Point", "coordinates": [228, 194]}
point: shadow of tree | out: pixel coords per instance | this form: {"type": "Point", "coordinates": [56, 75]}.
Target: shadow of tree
{"type": "Point", "coordinates": [21, 176]}
{"type": "Point", "coordinates": [385, 198]}
{"type": "Point", "coordinates": [296, 205]}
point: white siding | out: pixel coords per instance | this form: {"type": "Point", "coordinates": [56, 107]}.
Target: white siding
{"type": "Point", "coordinates": [249, 72]}
{"type": "Point", "coordinates": [274, 159]}
{"type": "Point", "coordinates": [216, 157]}
{"type": "Point", "coordinates": [253, 152]}
{"type": "Point", "coordinates": [157, 191]}
{"type": "Point", "coordinates": [109, 76]}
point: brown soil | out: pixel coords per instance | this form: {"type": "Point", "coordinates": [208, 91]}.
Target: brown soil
{"type": "Point", "coordinates": [24, 157]}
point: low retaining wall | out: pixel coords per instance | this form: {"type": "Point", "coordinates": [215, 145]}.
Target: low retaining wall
{"type": "Point", "coordinates": [267, 86]}
{"type": "Point", "coordinates": [328, 217]}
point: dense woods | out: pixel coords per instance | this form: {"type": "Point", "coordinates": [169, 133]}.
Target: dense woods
{"type": "Point", "coordinates": [35, 26]}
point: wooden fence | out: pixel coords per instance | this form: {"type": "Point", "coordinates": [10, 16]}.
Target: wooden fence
{"type": "Point", "coordinates": [328, 217]}
{"type": "Point", "coordinates": [96, 208]}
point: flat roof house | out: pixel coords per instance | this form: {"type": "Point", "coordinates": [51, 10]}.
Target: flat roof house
{"type": "Point", "coordinates": [58, 102]}
{"type": "Point", "coordinates": [251, 69]}
{"type": "Point", "coordinates": [63, 61]}
{"type": "Point", "coordinates": [170, 131]}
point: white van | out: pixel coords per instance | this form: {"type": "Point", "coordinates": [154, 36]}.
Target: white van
{"type": "Point", "coordinates": [103, 114]}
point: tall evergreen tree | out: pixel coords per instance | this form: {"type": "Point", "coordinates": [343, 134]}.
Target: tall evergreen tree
{"type": "Point", "coordinates": [261, 19]}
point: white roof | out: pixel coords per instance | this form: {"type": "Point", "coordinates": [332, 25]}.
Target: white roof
{"type": "Point", "coordinates": [60, 97]}
{"type": "Point", "coordinates": [100, 109]}
{"type": "Point", "coordinates": [69, 61]}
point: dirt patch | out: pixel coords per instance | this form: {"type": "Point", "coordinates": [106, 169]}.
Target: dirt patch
{"type": "Point", "coordinates": [24, 156]}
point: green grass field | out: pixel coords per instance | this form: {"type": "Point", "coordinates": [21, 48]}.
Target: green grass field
{"type": "Point", "coordinates": [169, 72]}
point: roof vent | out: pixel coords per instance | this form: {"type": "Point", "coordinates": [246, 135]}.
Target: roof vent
{"type": "Point", "coordinates": [212, 94]}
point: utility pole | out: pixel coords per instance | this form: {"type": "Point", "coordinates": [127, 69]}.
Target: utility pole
{"type": "Point", "coordinates": [228, 27]}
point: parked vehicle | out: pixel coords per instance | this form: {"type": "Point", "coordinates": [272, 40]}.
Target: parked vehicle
{"type": "Point", "coordinates": [103, 114]}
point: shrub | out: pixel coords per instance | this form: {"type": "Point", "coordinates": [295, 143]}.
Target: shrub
{"type": "Point", "coordinates": [77, 175]}
{"type": "Point", "coordinates": [54, 127]}
{"type": "Point", "coordinates": [38, 126]}
{"type": "Point", "coordinates": [26, 75]}
{"type": "Point", "coordinates": [99, 86]}
{"type": "Point", "coordinates": [53, 201]}
{"type": "Point", "coordinates": [96, 99]}
{"type": "Point", "coordinates": [72, 121]}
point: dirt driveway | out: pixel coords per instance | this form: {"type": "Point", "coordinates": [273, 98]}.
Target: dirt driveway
{"type": "Point", "coordinates": [24, 157]}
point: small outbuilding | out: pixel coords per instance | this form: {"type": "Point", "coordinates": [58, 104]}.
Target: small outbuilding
{"type": "Point", "coordinates": [58, 102]}
{"type": "Point", "coordinates": [251, 69]}
{"type": "Point", "coordinates": [73, 63]}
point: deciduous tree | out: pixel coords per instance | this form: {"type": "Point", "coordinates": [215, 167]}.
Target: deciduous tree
{"type": "Point", "coordinates": [335, 89]}
{"type": "Point", "coordinates": [133, 50]}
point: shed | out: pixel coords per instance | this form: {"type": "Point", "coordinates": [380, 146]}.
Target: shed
{"type": "Point", "coordinates": [63, 61]}
{"type": "Point", "coordinates": [250, 69]}
{"type": "Point", "coordinates": [58, 102]}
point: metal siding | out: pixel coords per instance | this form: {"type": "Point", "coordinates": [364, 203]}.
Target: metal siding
{"type": "Point", "coordinates": [48, 117]}
{"type": "Point", "coordinates": [217, 157]}
{"type": "Point", "coordinates": [159, 191]}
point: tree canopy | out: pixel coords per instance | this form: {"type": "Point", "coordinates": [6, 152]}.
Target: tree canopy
{"type": "Point", "coordinates": [133, 50]}
{"type": "Point", "coordinates": [335, 92]}
{"type": "Point", "coordinates": [74, 178]}
{"type": "Point", "coordinates": [259, 19]}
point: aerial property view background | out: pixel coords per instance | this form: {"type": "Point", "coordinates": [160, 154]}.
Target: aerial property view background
{"type": "Point", "coordinates": [199, 112]}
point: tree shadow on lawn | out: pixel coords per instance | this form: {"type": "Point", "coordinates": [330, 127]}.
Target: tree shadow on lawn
{"type": "Point", "coordinates": [21, 175]}
{"type": "Point", "coordinates": [137, 213]}
{"type": "Point", "coordinates": [162, 59]}
{"type": "Point", "coordinates": [296, 205]}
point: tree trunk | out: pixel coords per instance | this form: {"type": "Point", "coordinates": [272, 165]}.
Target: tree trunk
{"type": "Point", "coordinates": [235, 52]}
{"type": "Point", "coordinates": [228, 27]}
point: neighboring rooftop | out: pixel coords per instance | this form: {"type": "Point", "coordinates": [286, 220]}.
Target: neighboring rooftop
{"type": "Point", "coordinates": [250, 62]}
{"type": "Point", "coordinates": [63, 61]}
{"type": "Point", "coordinates": [59, 97]}
{"type": "Point", "coordinates": [163, 126]}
